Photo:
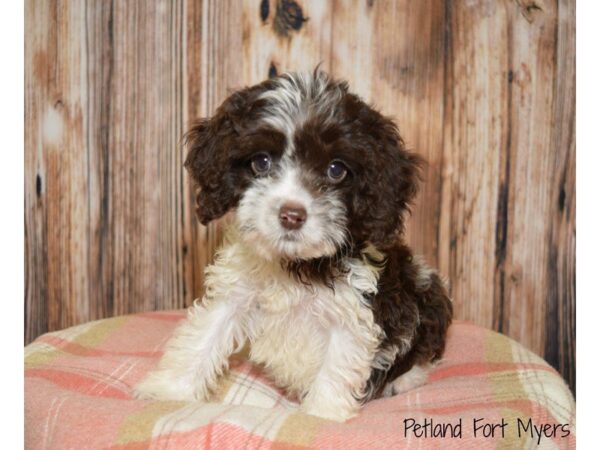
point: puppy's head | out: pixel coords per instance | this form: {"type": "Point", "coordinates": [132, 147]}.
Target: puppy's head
{"type": "Point", "coordinates": [310, 168]}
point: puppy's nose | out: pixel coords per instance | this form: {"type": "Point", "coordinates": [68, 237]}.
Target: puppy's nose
{"type": "Point", "coordinates": [292, 216]}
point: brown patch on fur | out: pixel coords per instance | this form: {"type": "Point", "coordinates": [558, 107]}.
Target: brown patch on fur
{"type": "Point", "coordinates": [406, 311]}
{"type": "Point", "coordinates": [384, 177]}
{"type": "Point", "coordinates": [319, 270]}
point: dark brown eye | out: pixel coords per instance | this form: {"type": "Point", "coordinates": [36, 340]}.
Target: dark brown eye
{"type": "Point", "coordinates": [337, 171]}
{"type": "Point", "coordinates": [261, 164]}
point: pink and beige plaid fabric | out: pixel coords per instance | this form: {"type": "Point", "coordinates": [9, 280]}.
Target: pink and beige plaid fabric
{"type": "Point", "coordinates": [78, 394]}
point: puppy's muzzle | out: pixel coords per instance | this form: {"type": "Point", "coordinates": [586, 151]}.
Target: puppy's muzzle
{"type": "Point", "coordinates": [292, 216]}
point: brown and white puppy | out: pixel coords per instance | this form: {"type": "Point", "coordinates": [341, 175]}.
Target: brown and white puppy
{"type": "Point", "coordinates": [313, 273]}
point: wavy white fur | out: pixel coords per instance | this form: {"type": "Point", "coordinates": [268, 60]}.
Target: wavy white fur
{"type": "Point", "coordinates": [316, 342]}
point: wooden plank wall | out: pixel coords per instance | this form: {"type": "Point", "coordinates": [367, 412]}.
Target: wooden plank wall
{"type": "Point", "coordinates": [484, 89]}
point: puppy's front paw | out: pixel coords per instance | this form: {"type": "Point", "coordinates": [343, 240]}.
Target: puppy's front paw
{"type": "Point", "coordinates": [165, 385]}
{"type": "Point", "coordinates": [415, 377]}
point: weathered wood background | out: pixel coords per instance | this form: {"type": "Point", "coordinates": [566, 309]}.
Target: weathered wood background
{"type": "Point", "coordinates": [484, 89]}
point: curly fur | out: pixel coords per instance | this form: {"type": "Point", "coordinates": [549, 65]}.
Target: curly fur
{"type": "Point", "coordinates": [337, 310]}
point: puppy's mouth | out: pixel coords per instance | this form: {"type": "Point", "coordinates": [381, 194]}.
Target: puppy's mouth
{"type": "Point", "coordinates": [289, 244]}
{"type": "Point", "coordinates": [291, 236]}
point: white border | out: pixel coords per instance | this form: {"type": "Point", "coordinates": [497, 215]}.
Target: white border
{"type": "Point", "coordinates": [12, 230]}
{"type": "Point", "coordinates": [587, 222]}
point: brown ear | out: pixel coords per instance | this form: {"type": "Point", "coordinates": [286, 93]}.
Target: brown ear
{"type": "Point", "coordinates": [387, 187]}
{"type": "Point", "coordinates": [207, 163]}
{"type": "Point", "coordinates": [211, 160]}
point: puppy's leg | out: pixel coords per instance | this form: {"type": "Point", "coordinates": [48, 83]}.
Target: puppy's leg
{"type": "Point", "coordinates": [196, 354]}
{"type": "Point", "coordinates": [339, 385]}
{"type": "Point", "coordinates": [415, 377]}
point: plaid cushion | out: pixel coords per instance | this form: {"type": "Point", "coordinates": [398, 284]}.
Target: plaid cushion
{"type": "Point", "coordinates": [78, 394]}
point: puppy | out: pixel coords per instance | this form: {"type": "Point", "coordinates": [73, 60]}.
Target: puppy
{"type": "Point", "coordinates": [314, 272]}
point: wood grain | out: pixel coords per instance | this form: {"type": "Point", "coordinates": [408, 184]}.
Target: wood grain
{"type": "Point", "coordinates": [484, 90]}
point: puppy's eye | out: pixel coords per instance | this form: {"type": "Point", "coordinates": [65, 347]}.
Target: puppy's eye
{"type": "Point", "coordinates": [261, 164]}
{"type": "Point", "coordinates": [337, 171]}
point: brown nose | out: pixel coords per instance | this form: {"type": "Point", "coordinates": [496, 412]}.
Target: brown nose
{"type": "Point", "coordinates": [292, 216]}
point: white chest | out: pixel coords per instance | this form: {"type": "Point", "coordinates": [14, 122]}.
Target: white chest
{"type": "Point", "coordinates": [291, 341]}
{"type": "Point", "coordinates": [291, 327]}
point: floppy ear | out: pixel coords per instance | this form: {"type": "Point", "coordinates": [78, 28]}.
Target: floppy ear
{"type": "Point", "coordinates": [207, 163]}
{"type": "Point", "coordinates": [387, 187]}
{"type": "Point", "coordinates": [211, 161]}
